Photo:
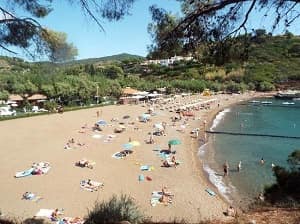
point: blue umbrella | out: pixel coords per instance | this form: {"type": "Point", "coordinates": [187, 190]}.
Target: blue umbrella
{"type": "Point", "coordinates": [101, 122]}
{"type": "Point", "coordinates": [127, 146]}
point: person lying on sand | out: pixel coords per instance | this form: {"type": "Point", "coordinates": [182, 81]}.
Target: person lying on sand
{"type": "Point", "coordinates": [84, 163]}
{"type": "Point", "coordinates": [80, 144]}
{"type": "Point", "coordinates": [91, 184]}
{"type": "Point", "coordinates": [170, 163]}
{"type": "Point", "coordinates": [67, 146]}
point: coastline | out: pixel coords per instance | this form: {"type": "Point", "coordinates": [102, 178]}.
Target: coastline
{"type": "Point", "coordinates": [42, 138]}
{"type": "Point", "coordinates": [205, 146]}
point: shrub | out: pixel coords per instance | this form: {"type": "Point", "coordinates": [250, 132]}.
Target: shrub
{"type": "Point", "coordinates": [115, 210]}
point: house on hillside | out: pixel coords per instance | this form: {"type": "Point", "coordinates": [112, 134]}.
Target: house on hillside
{"type": "Point", "coordinates": [168, 61]}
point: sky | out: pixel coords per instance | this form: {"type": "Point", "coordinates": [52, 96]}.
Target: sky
{"type": "Point", "coordinates": [128, 35]}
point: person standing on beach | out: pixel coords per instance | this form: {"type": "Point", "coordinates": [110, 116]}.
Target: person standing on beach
{"type": "Point", "coordinates": [239, 166]}
{"type": "Point", "coordinates": [226, 168]}
{"type": "Point", "coordinates": [204, 124]}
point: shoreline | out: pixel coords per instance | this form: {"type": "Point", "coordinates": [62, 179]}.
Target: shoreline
{"type": "Point", "coordinates": [42, 138]}
{"type": "Point", "coordinates": [236, 199]}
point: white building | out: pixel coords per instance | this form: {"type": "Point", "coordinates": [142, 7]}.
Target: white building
{"type": "Point", "coordinates": [167, 62]}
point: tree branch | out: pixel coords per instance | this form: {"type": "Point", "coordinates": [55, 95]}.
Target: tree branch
{"type": "Point", "coordinates": [245, 19]}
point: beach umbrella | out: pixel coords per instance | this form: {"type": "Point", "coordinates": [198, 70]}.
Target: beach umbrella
{"type": "Point", "coordinates": [134, 143]}
{"type": "Point", "coordinates": [127, 146]}
{"type": "Point", "coordinates": [126, 117]}
{"type": "Point", "coordinates": [146, 116]}
{"type": "Point", "coordinates": [174, 142]}
{"type": "Point", "coordinates": [101, 122]}
{"type": "Point", "coordinates": [158, 126]}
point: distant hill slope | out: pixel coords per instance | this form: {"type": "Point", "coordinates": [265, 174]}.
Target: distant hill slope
{"type": "Point", "coordinates": [117, 57]}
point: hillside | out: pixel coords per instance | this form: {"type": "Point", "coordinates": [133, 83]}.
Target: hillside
{"type": "Point", "coordinates": [17, 64]}
{"type": "Point", "coordinates": [107, 59]}
{"type": "Point", "coordinates": [266, 63]}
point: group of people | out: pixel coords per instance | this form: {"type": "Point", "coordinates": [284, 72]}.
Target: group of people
{"type": "Point", "coordinates": [226, 168]}
{"type": "Point", "coordinates": [71, 142]}
{"type": "Point", "coordinates": [239, 166]}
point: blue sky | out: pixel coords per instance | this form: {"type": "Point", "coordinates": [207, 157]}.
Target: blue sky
{"type": "Point", "coordinates": [127, 35]}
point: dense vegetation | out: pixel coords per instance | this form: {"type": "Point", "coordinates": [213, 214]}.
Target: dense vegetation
{"type": "Point", "coordinates": [286, 190]}
{"type": "Point", "coordinates": [270, 62]}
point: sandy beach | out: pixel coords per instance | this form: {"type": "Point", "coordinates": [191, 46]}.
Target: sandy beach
{"type": "Point", "coordinates": [42, 138]}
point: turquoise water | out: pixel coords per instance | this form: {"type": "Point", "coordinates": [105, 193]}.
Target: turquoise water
{"type": "Point", "coordinates": [258, 118]}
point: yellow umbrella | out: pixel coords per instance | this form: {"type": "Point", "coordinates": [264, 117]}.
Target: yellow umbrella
{"type": "Point", "coordinates": [134, 143]}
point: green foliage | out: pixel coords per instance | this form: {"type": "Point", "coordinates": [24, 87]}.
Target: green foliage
{"type": "Point", "coordinates": [50, 105]}
{"type": "Point", "coordinates": [4, 94]}
{"type": "Point", "coordinates": [59, 49]}
{"type": "Point", "coordinates": [294, 160]}
{"type": "Point", "coordinates": [113, 72]}
{"type": "Point", "coordinates": [265, 86]}
{"type": "Point", "coordinates": [287, 186]}
{"type": "Point", "coordinates": [115, 210]}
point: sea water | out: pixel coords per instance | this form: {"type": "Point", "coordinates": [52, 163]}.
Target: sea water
{"type": "Point", "coordinates": [272, 118]}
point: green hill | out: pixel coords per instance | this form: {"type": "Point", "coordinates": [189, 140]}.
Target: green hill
{"type": "Point", "coordinates": [107, 59]}
{"type": "Point", "coordinates": [267, 62]}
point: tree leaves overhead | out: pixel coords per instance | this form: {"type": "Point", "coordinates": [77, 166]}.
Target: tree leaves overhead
{"type": "Point", "coordinates": [211, 21]}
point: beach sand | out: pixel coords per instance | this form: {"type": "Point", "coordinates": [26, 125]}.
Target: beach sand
{"type": "Point", "coordinates": [42, 138]}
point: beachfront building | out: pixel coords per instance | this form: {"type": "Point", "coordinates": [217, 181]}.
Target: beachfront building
{"type": "Point", "coordinates": [134, 96]}
{"type": "Point", "coordinates": [168, 61]}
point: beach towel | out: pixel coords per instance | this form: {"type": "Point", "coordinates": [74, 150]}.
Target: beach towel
{"type": "Point", "coordinates": [31, 197]}
{"type": "Point", "coordinates": [71, 220]}
{"type": "Point", "coordinates": [141, 177]}
{"type": "Point", "coordinates": [210, 192]}
{"type": "Point", "coordinates": [122, 154]}
{"type": "Point", "coordinates": [92, 186]}
{"type": "Point", "coordinates": [146, 168]}
{"type": "Point", "coordinates": [155, 198]}
{"type": "Point", "coordinates": [118, 155]}
{"type": "Point", "coordinates": [44, 213]}
{"type": "Point", "coordinates": [24, 173]}
{"type": "Point", "coordinates": [97, 136]}
{"type": "Point", "coordinates": [41, 168]}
